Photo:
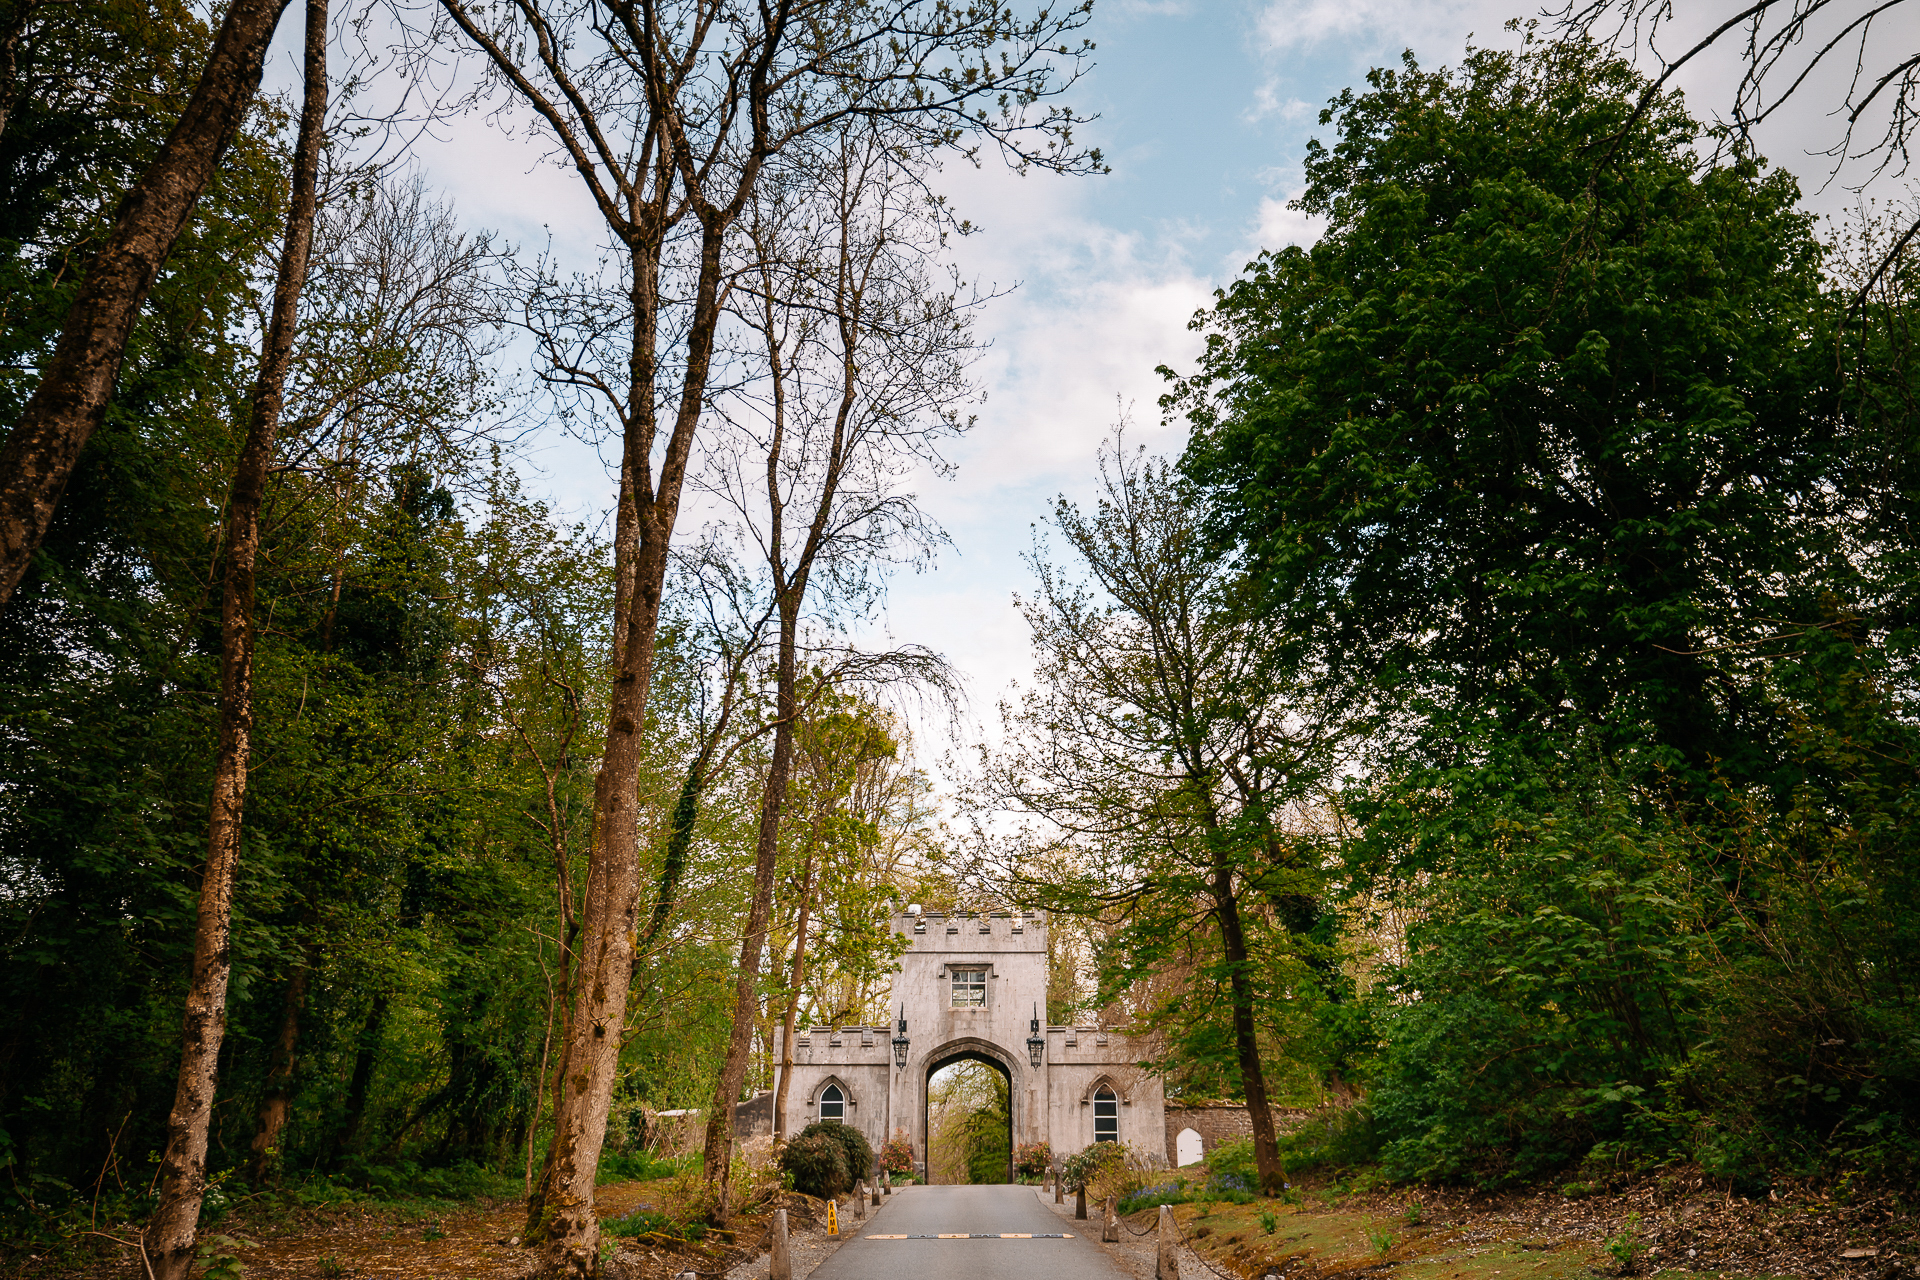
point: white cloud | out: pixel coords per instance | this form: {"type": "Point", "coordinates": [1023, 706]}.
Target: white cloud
{"type": "Point", "coordinates": [1268, 104]}
{"type": "Point", "coordinates": [1074, 346]}
{"type": "Point", "coordinates": [1290, 25]}
{"type": "Point", "coordinates": [1278, 226]}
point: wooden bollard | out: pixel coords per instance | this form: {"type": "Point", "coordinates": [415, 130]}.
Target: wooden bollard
{"type": "Point", "coordinates": [1166, 1264]}
{"type": "Point", "coordinates": [1058, 1189]}
{"type": "Point", "coordinates": [859, 1205]}
{"type": "Point", "coordinates": [886, 1182]}
{"type": "Point", "coordinates": [1110, 1229]}
{"type": "Point", "coordinates": [1080, 1203]}
{"type": "Point", "coordinates": [782, 1268]}
{"type": "Point", "coordinates": [876, 1191]}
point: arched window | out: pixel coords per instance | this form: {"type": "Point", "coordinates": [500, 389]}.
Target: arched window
{"type": "Point", "coordinates": [1106, 1115]}
{"type": "Point", "coordinates": [833, 1103]}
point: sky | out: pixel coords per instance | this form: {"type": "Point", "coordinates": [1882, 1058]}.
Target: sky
{"type": "Point", "coordinates": [1204, 110]}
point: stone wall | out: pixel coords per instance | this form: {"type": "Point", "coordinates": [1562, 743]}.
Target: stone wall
{"type": "Point", "coordinates": [1222, 1123]}
{"type": "Point", "coordinates": [754, 1119]}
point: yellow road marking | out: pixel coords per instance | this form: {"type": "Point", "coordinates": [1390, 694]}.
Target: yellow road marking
{"type": "Point", "coordinates": [978, 1235]}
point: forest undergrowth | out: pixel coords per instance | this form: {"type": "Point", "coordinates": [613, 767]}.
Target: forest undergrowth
{"type": "Point", "coordinates": [422, 1225]}
{"type": "Point", "coordinates": [1337, 1219]}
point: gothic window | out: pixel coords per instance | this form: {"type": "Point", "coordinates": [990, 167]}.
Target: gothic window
{"type": "Point", "coordinates": [833, 1103]}
{"type": "Point", "coordinates": [1106, 1115]}
{"type": "Point", "coordinates": [969, 987]}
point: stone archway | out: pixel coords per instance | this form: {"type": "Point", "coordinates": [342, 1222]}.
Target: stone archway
{"type": "Point", "coordinates": [973, 985]}
{"type": "Point", "coordinates": [968, 1049]}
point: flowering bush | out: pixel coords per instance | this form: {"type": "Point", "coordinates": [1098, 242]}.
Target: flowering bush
{"type": "Point", "coordinates": [897, 1156]}
{"type": "Point", "coordinates": [1031, 1159]}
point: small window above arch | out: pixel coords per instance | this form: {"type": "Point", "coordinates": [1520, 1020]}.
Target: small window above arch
{"type": "Point", "coordinates": [969, 988]}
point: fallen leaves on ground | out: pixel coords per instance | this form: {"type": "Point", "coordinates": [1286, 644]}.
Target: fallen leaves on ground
{"type": "Point", "coordinates": [1675, 1223]}
{"type": "Point", "coordinates": [481, 1241]}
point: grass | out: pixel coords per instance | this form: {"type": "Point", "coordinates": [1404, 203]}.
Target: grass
{"type": "Point", "coordinates": [1333, 1234]}
{"type": "Point", "coordinates": [618, 1166]}
{"type": "Point", "coordinates": [652, 1222]}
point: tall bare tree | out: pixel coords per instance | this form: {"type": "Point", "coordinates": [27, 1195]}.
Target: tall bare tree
{"type": "Point", "coordinates": [1861, 52]}
{"type": "Point", "coordinates": [71, 397]}
{"type": "Point", "coordinates": [169, 1240]}
{"type": "Point", "coordinates": [670, 112]}
{"type": "Point", "coordinates": [865, 368]}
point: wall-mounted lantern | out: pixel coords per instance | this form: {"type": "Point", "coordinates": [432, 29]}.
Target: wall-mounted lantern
{"type": "Point", "coordinates": [1036, 1043]}
{"type": "Point", "coordinates": [900, 1041]}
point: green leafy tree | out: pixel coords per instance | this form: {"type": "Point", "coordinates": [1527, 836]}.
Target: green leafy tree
{"type": "Point", "coordinates": [1153, 766]}
{"type": "Point", "coordinates": [1547, 448]}
{"type": "Point", "coordinates": [1526, 441]}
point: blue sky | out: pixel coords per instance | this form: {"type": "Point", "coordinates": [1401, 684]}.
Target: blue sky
{"type": "Point", "coordinates": [1205, 109]}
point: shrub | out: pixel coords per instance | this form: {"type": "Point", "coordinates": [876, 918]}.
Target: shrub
{"type": "Point", "coordinates": [653, 1222]}
{"type": "Point", "coordinates": [852, 1142]}
{"type": "Point", "coordinates": [638, 1166]}
{"type": "Point", "coordinates": [1149, 1197]}
{"type": "Point", "coordinates": [1100, 1161]}
{"type": "Point", "coordinates": [1341, 1138]}
{"type": "Point", "coordinates": [896, 1157]}
{"type": "Point", "coordinates": [1030, 1159]}
{"type": "Point", "coordinates": [818, 1164]}
{"type": "Point", "coordinates": [1231, 1163]}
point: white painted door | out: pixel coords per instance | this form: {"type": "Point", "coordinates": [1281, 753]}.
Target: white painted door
{"type": "Point", "coordinates": [1187, 1147]}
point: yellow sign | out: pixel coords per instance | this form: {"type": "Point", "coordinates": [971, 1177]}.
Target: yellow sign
{"type": "Point", "coordinates": [833, 1219]}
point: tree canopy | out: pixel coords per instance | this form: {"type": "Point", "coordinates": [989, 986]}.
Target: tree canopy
{"type": "Point", "coordinates": [1542, 433]}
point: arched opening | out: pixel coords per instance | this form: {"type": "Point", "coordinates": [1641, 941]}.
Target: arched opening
{"type": "Point", "coordinates": [1188, 1147]}
{"type": "Point", "coordinates": [833, 1103]}
{"type": "Point", "coordinates": [969, 1120]}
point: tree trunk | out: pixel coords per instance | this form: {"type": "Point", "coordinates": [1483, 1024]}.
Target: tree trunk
{"type": "Point", "coordinates": [793, 1002]}
{"type": "Point", "coordinates": [360, 1084]}
{"type": "Point", "coordinates": [264, 1162]}
{"type": "Point", "coordinates": [14, 16]}
{"type": "Point", "coordinates": [791, 591]}
{"type": "Point", "coordinates": [1266, 1151]}
{"type": "Point", "coordinates": [170, 1236]}
{"type": "Point", "coordinates": [733, 1070]}
{"type": "Point", "coordinates": [560, 1214]}
{"type": "Point", "coordinates": [77, 382]}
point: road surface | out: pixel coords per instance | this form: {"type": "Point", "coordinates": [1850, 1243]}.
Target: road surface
{"type": "Point", "coordinates": [986, 1216]}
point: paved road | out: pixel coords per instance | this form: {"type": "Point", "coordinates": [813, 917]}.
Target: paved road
{"type": "Point", "coordinates": [977, 1211]}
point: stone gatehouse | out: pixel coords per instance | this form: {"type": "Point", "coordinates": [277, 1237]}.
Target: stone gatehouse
{"type": "Point", "coordinates": [971, 987]}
